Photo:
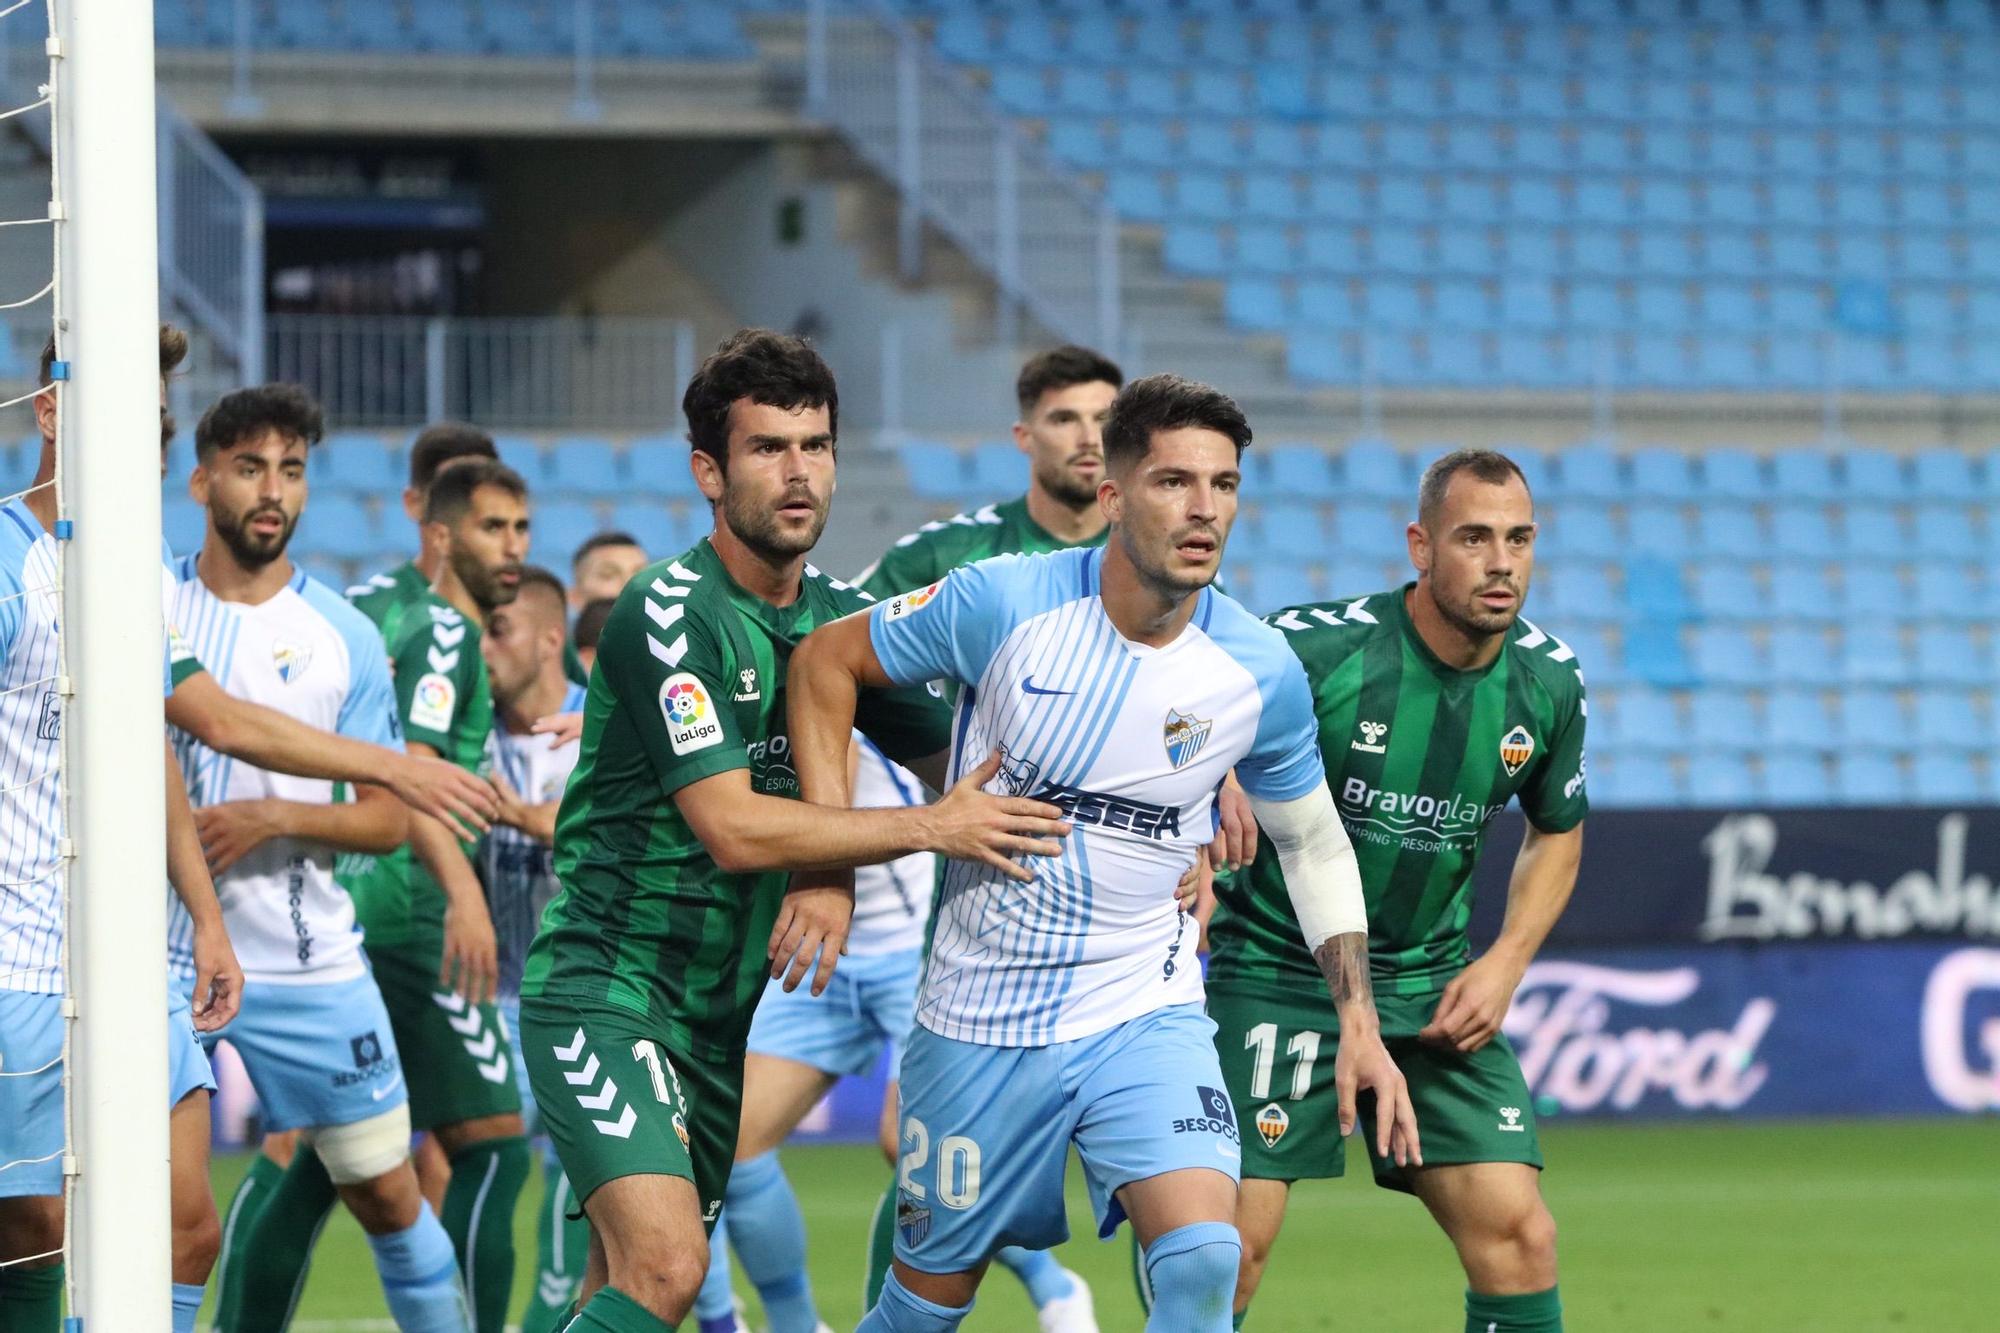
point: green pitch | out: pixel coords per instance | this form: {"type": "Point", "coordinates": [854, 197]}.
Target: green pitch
{"type": "Point", "coordinates": [1820, 1225]}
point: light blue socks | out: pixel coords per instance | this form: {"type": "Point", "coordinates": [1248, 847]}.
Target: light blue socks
{"type": "Point", "coordinates": [420, 1277]}
{"type": "Point", "coordinates": [902, 1311]}
{"type": "Point", "coordinates": [187, 1304]}
{"type": "Point", "coordinates": [1045, 1279]}
{"type": "Point", "coordinates": [770, 1240]}
{"type": "Point", "coordinates": [1192, 1273]}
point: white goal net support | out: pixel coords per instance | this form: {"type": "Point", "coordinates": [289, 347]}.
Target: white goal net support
{"type": "Point", "coordinates": [88, 828]}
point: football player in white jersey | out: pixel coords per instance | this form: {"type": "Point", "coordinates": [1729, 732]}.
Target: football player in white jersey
{"type": "Point", "coordinates": [32, 923]}
{"type": "Point", "coordinates": [1119, 685]}
{"type": "Point", "coordinates": [313, 1033]}
{"type": "Point", "coordinates": [523, 645]}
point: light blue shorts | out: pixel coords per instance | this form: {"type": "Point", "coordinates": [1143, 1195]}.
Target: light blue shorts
{"type": "Point", "coordinates": [869, 1005]}
{"type": "Point", "coordinates": [986, 1132]}
{"type": "Point", "coordinates": [31, 1097]}
{"type": "Point", "coordinates": [319, 1055]}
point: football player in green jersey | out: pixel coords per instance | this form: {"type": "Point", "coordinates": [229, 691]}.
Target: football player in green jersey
{"type": "Point", "coordinates": [429, 936]}
{"type": "Point", "coordinates": [386, 596]}
{"type": "Point", "coordinates": [1437, 705]}
{"type": "Point", "coordinates": [680, 822]}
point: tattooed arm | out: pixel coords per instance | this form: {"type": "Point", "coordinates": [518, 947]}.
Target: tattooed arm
{"type": "Point", "coordinates": [1325, 887]}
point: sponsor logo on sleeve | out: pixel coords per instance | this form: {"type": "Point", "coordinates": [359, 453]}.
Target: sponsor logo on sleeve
{"type": "Point", "coordinates": [431, 704]}
{"type": "Point", "coordinates": [902, 604]}
{"type": "Point", "coordinates": [692, 722]}
{"type": "Point", "coordinates": [746, 686]}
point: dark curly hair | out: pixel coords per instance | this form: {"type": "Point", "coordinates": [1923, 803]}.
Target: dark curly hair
{"type": "Point", "coordinates": [775, 369]}
{"type": "Point", "coordinates": [1167, 402]}
{"type": "Point", "coordinates": [1059, 368]}
{"type": "Point", "coordinates": [244, 414]}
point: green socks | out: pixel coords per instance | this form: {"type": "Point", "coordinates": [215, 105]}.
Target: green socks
{"type": "Point", "coordinates": [31, 1299]}
{"type": "Point", "coordinates": [239, 1220]}
{"type": "Point", "coordinates": [562, 1246]}
{"type": "Point", "coordinates": [486, 1180]}
{"type": "Point", "coordinates": [612, 1311]}
{"type": "Point", "coordinates": [881, 1247]}
{"type": "Point", "coordinates": [273, 1260]}
{"type": "Point", "coordinates": [1535, 1312]}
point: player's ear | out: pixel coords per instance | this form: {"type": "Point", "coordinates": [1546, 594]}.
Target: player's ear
{"type": "Point", "coordinates": [198, 483]}
{"type": "Point", "coordinates": [1110, 501]}
{"type": "Point", "coordinates": [707, 473]}
{"type": "Point", "coordinates": [413, 504]}
{"type": "Point", "coordinates": [1021, 440]}
{"type": "Point", "coordinates": [1420, 547]}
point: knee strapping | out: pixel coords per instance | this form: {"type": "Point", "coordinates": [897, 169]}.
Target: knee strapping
{"type": "Point", "coordinates": [365, 1149]}
{"type": "Point", "coordinates": [1192, 1273]}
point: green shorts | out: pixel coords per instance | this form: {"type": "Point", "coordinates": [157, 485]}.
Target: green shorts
{"type": "Point", "coordinates": [458, 1057]}
{"type": "Point", "coordinates": [619, 1099]}
{"type": "Point", "coordinates": [1277, 1059]}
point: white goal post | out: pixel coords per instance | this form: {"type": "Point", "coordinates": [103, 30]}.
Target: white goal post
{"type": "Point", "coordinates": [107, 317]}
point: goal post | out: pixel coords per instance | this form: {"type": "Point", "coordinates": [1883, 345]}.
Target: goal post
{"type": "Point", "coordinates": [107, 317]}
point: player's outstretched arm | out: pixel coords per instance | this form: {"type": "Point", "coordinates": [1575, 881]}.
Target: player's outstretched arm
{"type": "Point", "coordinates": [537, 821]}
{"type": "Point", "coordinates": [218, 981]}
{"type": "Point", "coordinates": [1325, 886]}
{"type": "Point", "coordinates": [374, 822]}
{"type": "Point", "coordinates": [270, 739]}
{"type": "Point", "coordinates": [1475, 1001]}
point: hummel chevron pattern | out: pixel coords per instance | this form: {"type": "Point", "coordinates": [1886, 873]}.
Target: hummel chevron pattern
{"type": "Point", "coordinates": [604, 1098]}
{"type": "Point", "coordinates": [481, 1042]}
{"type": "Point", "coordinates": [666, 617]}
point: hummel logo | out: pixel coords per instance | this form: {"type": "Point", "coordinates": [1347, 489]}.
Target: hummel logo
{"type": "Point", "coordinates": [1028, 686]}
{"type": "Point", "coordinates": [1512, 1116]}
{"type": "Point", "coordinates": [1371, 738]}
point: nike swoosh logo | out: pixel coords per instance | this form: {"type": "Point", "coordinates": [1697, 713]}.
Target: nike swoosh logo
{"type": "Point", "coordinates": [1028, 686]}
{"type": "Point", "coordinates": [379, 1093]}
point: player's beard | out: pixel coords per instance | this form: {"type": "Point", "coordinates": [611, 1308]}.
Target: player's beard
{"type": "Point", "coordinates": [755, 523]}
{"type": "Point", "coordinates": [1472, 619]}
{"type": "Point", "coordinates": [483, 584]}
{"type": "Point", "coordinates": [1161, 575]}
{"type": "Point", "coordinates": [1064, 486]}
{"type": "Point", "coordinates": [249, 549]}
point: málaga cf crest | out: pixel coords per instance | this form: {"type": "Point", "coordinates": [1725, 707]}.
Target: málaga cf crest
{"type": "Point", "coordinates": [290, 660]}
{"type": "Point", "coordinates": [1185, 735]}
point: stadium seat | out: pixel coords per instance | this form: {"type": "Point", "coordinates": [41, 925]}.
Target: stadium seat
{"type": "Point", "coordinates": [1730, 531]}
{"type": "Point", "coordinates": [935, 471]}
{"type": "Point", "coordinates": [585, 465]}
{"type": "Point", "coordinates": [1728, 591]}
{"type": "Point", "coordinates": [1291, 532]}
{"type": "Point", "coordinates": [1943, 779]}
{"type": "Point", "coordinates": [1867, 778]}
{"type": "Point", "coordinates": [1794, 779]}
{"type": "Point", "coordinates": [1659, 530]}
{"type": "Point", "coordinates": [1803, 655]}
{"type": "Point", "coordinates": [1580, 532]}
{"type": "Point", "coordinates": [1947, 720]}
{"type": "Point", "coordinates": [357, 462]}
{"type": "Point", "coordinates": [1943, 474]}
{"type": "Point", "coordinates": [1589, 472]}
{"type": "Point", "coordinates": [1719, 779]}
{"type": "Point", "coordinates": [1871, 591]}
{"type": "Point", "coordinates": [1801, 531]}
{"type": "Point", "coordinates": [1644, 722]}
{"type": "Point", "coordinates": [1634, 782]}
{"type": "Point", "coordinates": [563, 525]}
{"type": "Point", "coordinates": [1734, 476]}
{"type": "Point", "coordinates": [1803, 592]}
{"type": "Point", "coordinates": [1874, 531]}
{"type": "Point", "coordinates": [1726, 721]}
{"type": "Point", "coordinates": [1300, 472]}
{"type": "Point", "coordinates": [1725, 655]}
{"type": "Point", "coordinates": [1653, 652]}
{"type": "Point", "coordinates": [1374, 470]}
{"type": "Point", "coordinates": [1950, 656]}
{"type": "Point", "coordinates": [1874, 655]}
{"type": "Point", "coordinates": [1799, 720]}
{"type": "Point", "coordinates": [660, 464]}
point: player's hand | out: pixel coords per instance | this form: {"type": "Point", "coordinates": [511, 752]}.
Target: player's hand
{"type": "Point", "coordinates": [967, 824]}
{"type": "Point", "coordinates": [1188, 893]}
{"type": "Point", "coordinates": [1363, 1062]}
{"type": "Point", "coordinates": [560, 728]}
{"type": "Point", "coordinates": [218, 980]}
{"type": "Point", "coordinates": [461, 801]}
{"type": "Point", "coordinates": [471, 953]}
{"type": "Point", "coordinates": [1474, 1005]}
{"type": "Point", "coordinates": [511, 810]}
{"type": "Point", "coordinates": [1235, 844]}
{"type": "Point", "coordinates": [231, 831]}
{"type": "Point", "coordinates": [812, 921]}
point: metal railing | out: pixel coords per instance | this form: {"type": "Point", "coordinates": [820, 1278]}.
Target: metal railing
{"type": "Point", "coordinates": [547, 373]}
{"type": "Point", "coordinates": [211, 241]}
{"type": "Point", "coordinates": [1050, 246]}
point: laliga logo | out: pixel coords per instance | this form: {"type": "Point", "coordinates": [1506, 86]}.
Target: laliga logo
{"type": "Point", "coordinates": [1560, 1023]}
{"type": "Point", "coordinates": [1954, 1053]}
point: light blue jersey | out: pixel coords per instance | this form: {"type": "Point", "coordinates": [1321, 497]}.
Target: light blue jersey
{"type": "Point", "coordinates": [1132, 742]}
{"type": "Point", "coordinates": [31, 817]}
{"type": "Point", "coordinates": [519, 870]}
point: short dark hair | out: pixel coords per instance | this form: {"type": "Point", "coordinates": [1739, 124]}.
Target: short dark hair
{"type": "Point", "coordinates": [602, 540]}
{"type": "Point", "coordinates": [442, 442]}
{"type": "Point", "coordinates": [451, 493]}
{"type": "Point", "coordinates": [1059, 368]}
{"type": "Point", "coordinates": [243, 414]}
{"type": "Point", "coordinates": [589, 627]}
{"type": "Point", "coordinates": [1168, 402]}
{"type": "Point", "coordinates": [536, 576]}
{"type": "Point", "coordinates": [775, 369]}
{"type": "Point", "coordinates": [173, 351]}
{"type": "Point", "coordinates": [1487, 465]}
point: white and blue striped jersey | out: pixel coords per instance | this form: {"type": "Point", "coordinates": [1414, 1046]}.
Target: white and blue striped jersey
{"type": "Point", "coordinates": [31, 816]}
{"type": "Point", "coordinates": [892, 902]}
{"type": "Point", "coordinates": [1132, 742]}
{"type": "Point", "coordinates": [519, 871]}
{"type": "Point", "coordinates": [306, 653]}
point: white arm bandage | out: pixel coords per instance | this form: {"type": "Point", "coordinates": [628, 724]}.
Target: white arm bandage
{"type": "Point", "coordinates": [1318, 861]}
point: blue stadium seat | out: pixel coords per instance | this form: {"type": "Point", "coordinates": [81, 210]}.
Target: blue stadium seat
{"type": "Point", "coordinates": [1865, 778]}
{"type": "Point", "coordinates": [1949, 592]}
{"type": "Point", "coordinates": [1871, 592]}
{"type": "Point", "coordinates": [1282, 90]}
{"type": "Point", "coordinates": [1875, 532]}
{"type": "Point", "coordinates": [1643, 721]}
{"type": "Point", "coordinates": [1947, 720]}
{"type": "Point", "coordinates": [1730, 531]}
{"type": "Point", "coordinates": [1277, 144]}
{"type": "Point", "coordinates": [1870, 719]}
{"type": "Point", "coordinates": [1800, 720]}
{"type": "Point", "coordinates": [1256, 303]}
{"type": "Point", "coordinates": [1203, 195]}
{"type": "Point", "coordinates": [995, 467]}
{"type": "Point", "coordinates": [1291, 532]}
{"type": "Point", "coordinates": [1874, 655]}
{"type": "Point", "coordinates": [1634, 782]}
{"type": "Point", "coordinates": [1368, 525]}
{"type": "Point", "coordinates": [1021, 90]}
{"type": "Point", "coordinates": [1321, 359]}
{"type": "Point", "coordinates": [357, 462]}
{"type": "Point", "coordinates": [1080, 144]}
{"type": "Point", "coordinates": [935, 471]}
{"type": "Point", "coordinates": [1138, 196]}
{"type": "Point", "coordinates": [964, 37]}
{"type": "Point", "coordinates": [1086, 90]}
{"type": "Point", "coordinates": [1579, 594]}
{"type": "Point", "coordinates": [1399, 250]}
{"type": "Point", "coordinates": [1195, 250]}
{"type": "Point", "coordinates": [1718, 779]}
{"type": "Point", "coordinates": [1324, 304]}
{"type": "Point", "coordinates": [1213, 143]}
{"type": "Point", "coordinates": [1803, 592]}
{"type": "Point", "coordinates": [1579, 532]}
{"type": "Point", "coordinates": [1264, 249]}
{"type": "Point", "coordinates": [1794, 779]}
{"type": "Point", "coordinates": [1726, 721]}
{"type": "Point", "coordinates": [586, 465]}
{"type": "Point", "coordinates": [661, 463]}
{"type": "Point", "coordinates": [1945, 779]}
{"type": "Point", "coordinates": [1096, 37]}
{"type": "Point", "coordinates": [1727, 655]}
{"type": "Point", "coordinates": [1803, 655]}
{"type": "Point", "coordinates": [1943, 473]}
{"type": "Point", "coordinates": [1653, 653]}
{"type": "Point", "coordinates": [1333, 249]}
{"type": "Point", "coordinates": [1152, 90]}
{"type": "Point", "coordinates": [1371, 469]}
{"type": "Point", "coordinates": [1589, 471]}
{"type": "Point", "coordinates": [1727, 590]}
{"type": "Point", "coordinates": [1301, 471]}
{"type": "Point", "coordinates": [1659, 530]}
{"type": "Point", "coordinates": [1947, 656]}
{"type": "Point", "coordinates": [1802, 531]}
{"type": "Point", "coordinates": [560, 526]}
